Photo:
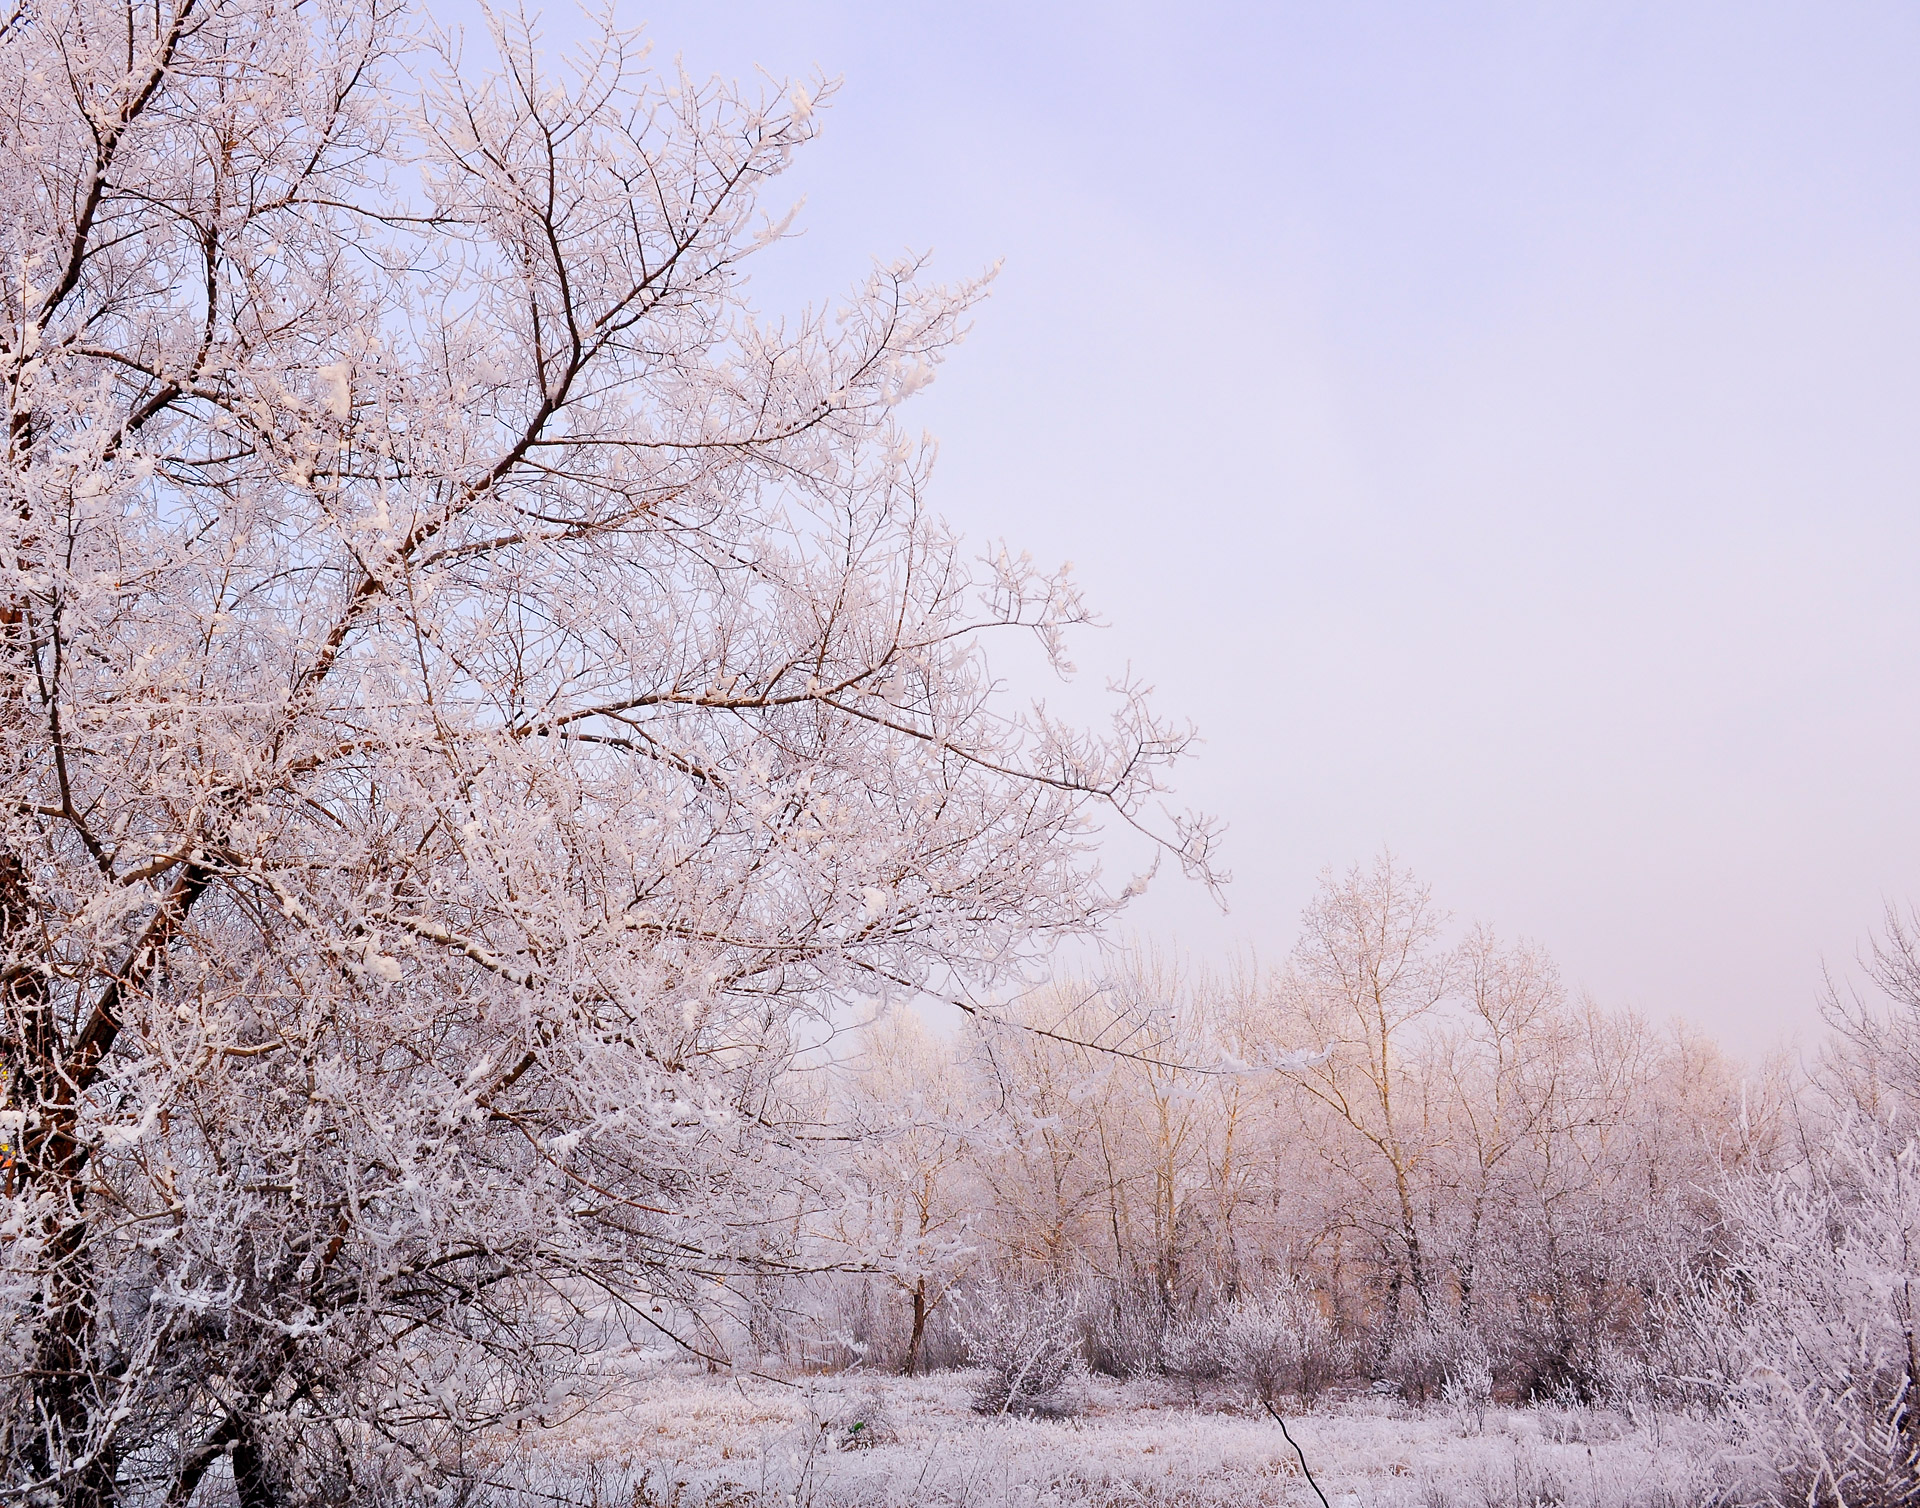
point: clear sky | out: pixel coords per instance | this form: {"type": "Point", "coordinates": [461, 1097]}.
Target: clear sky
{"type": "Point", "coordinates": [1498, 426]}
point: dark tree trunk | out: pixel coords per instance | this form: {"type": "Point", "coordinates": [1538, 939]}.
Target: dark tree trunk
{"type": "Point", "coordinates": [252, 1478]}
{"type": "Point", "coordinates": [46, 1160]}
{"type": "Point", "coordinates": [917, 1339]}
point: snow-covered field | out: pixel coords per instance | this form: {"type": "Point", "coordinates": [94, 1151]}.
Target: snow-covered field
{"type": "Point", "coordinates": [682, 1440]}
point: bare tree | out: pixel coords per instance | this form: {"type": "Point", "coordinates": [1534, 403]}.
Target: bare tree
{"type": "Point", "coordinates": [471, 689]}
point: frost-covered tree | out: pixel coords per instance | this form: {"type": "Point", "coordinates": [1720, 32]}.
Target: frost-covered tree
{"type": "Point", "coordinates": [472, 690]}
{"type": "Point", "coordinates": [1365, 977]}
{"type": "Point", "coordinates": [1871, 1059]}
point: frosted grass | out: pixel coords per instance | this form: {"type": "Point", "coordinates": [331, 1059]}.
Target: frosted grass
{"type": "Point", "coordinates": [691, 1441]}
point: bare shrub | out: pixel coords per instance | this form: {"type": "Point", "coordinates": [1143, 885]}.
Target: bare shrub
{"type": "Point", "coordinates": [837, 1322]}
{"type": "Point", "coordinates": [945, 1347]}
{"type": "Point", "coordinates": [862, 1319]}
{"type": "Point", "coordinates": [1027, 1345]}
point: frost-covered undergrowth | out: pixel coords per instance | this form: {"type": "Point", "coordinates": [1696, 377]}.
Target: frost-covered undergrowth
{"type": "Point", "coordinates": [690, 1441]}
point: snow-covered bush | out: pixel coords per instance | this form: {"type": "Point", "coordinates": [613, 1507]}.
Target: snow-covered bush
{"type": "Point", "coordinates": [1568, 1422]}
{"type": "Point", "coordinates": [1418, 1357]}
{"type": "Point", "coordinates": [1466, 1386]}
{"type": "Point", "coordinates": [1811, 1335]}
{"type": "Point", "coordinates": [1125, 1322]}
{"type": "Point", "coordinates": [1027, 1345]}
{"type": "Point", "coordinates": [1195, 1350]}
{"type": "Point", "coordinates": [855, 1421]}
{"type": "Point", "coordinates": [1281, 1343]}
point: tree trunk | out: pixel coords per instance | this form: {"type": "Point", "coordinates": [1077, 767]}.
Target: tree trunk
{"type": "Point", "coordinates": [49, 1167]}
{"type": "Point", "coordinates": [1391, 1329]}
{"type": "Point", "coordinates": [917, 1339]}
{"type": "Point", "coordinates": [252, 1480]}
{"type": "Point", "coordinates": [1470, 1259]}
{"type": "Point", "coordinates": [65, 1374]}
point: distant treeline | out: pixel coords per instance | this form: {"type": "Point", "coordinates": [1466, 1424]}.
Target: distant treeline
{"type": "Point", "coordinates": [1400, 1160]}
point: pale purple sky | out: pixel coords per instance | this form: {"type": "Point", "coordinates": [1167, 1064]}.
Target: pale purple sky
{"type": "Point", "coordinates": [1497, 426]}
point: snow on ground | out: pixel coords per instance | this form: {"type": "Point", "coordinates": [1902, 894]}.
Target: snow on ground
{"type": "Point", "coordinates": [681, 1440]}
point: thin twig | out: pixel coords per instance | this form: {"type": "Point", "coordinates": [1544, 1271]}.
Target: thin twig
{"type": "Point", "coordinates": [1305, 1469]}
